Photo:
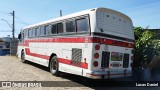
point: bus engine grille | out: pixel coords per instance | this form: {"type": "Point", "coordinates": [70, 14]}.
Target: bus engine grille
{"type": "Point", "coordinates": [76, 56]}
{"type": "Point", "coordinates": [105, 59]}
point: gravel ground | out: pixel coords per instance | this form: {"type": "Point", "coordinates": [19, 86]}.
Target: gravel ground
{"type": "Point", "coordinates": [12, 69]}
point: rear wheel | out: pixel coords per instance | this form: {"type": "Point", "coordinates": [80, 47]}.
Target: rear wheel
{"type": "Point", "coordinates": [23, 57]}
{"type": "Point", "coordinates": [54, 66]}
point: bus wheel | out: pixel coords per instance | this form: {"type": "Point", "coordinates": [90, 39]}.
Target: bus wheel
{"type": "Point", "coordinates": [54, 66]}
{"type": "Point", "coordinates": [23, 57]}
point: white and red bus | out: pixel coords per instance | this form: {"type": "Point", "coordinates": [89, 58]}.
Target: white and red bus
{"type": "Point", "coordinates": [95, 43]}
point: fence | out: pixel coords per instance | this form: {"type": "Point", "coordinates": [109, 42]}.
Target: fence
{"type": "Point", "coordinates": [13, 46]}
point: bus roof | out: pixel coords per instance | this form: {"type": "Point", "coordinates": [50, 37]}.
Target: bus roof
{"type": "Point", "coordinates": [100, 9]}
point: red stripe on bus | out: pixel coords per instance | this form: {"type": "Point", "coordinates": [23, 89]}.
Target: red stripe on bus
{"type": "Point", "coordinates": [81, 40]}
{"type": "Point", "coordinates": [61, 60]}
{"type": "Point", "coordinates": [69, 62]}
{"type": "Point", "coordinates": [27, 50]}
{"type": "Point", "coordinates": [65, 61]}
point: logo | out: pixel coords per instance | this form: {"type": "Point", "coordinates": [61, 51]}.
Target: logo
{"type": "Point", "coordinates": [6, 84]}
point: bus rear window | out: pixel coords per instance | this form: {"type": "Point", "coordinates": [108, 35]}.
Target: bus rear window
{"type": "Point", "coordinates": [82, 25]}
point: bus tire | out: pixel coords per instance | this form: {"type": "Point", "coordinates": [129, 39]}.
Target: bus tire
{"type": "Point", "coordinates": [54, 66]}
{"type": "Point", "coordinates": [23, 57]}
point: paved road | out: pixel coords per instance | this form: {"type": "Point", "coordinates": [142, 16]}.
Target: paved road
{"type": "Point", "coordinates": [11, 69]}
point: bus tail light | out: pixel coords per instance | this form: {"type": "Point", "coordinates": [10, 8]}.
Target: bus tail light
{"type": "Point", "coordinates": [97, 47]}
{"type": "Point", "coordinates": [95, 63]}
{"type": "Point", "coordinates": [96, 55]}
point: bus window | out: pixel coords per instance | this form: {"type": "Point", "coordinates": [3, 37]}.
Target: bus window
{"type": "Point", "coordinates": [82, 25]}
{"type": "Point", "coordinates": [26, 34]}
{"type": "Point", "coordinates": [30, 33]}
{"type": "Point", "coordinates": [22, 35]}
{"type": "Point", "coordinates": [60, 27]}
{"type": "Point", "coordinates": [70, 26]}
{"type": "Point", "coordinates": [54, 29]}
{"type": "Point", "coordinates": [46, 30]}
{"type": "Point", "coordinates": [33, 32]}
{"type": "Point", "coordinates": [36, 31]}
{"type": "Point", "coordinates": [42, 31]}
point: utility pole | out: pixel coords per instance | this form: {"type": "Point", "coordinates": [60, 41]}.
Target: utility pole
{"type": "Point", "coordinates": [13, 27]}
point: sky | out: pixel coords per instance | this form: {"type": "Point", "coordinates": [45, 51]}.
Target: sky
{"type": "Point", "coordinates": [144, 13]}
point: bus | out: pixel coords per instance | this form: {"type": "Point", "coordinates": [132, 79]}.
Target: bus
{"type": "Point", "coordinates": [96, 43]}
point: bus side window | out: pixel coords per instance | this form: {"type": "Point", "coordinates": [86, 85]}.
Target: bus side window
{"type": "Point", "coordinates": [27, 33]}
{"type": "Point", "coordinates": [54, 29]}
{"type": "Point", "coordinates": [24, 33]}
{"type": "Point", "coordinates": [38, 31]}
{"type": "Point", "coordinates": [49, 29]}
{"type": "Point", "coordinates": [60, 27]}
{"type": "Point", "coordinates": [33, 32]}
{"type": "Point", "coordinates": [42, 31]}
{"type": "Point", "coordinates": [82, 25]}
{"type": "Point", "coordinates": [70, 26]}
{"type": "Point", "coordinates": [30, 32]}
{"type": "Point", "coordinates": [46, 30]}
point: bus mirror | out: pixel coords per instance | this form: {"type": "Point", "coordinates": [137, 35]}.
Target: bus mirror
{"type": "Point", "coordinates": [19, 36]}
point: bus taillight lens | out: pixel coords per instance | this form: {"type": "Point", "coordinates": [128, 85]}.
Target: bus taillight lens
{"type": "Point", "coordinates": [97, 47]}
{"type": "Point", "coordinates": [96, 55]}
{"type": "Point", "coordinates": [95, 63]}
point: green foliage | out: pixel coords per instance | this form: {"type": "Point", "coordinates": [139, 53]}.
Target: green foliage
{"type": "Point", "coordinates": [146, 46]}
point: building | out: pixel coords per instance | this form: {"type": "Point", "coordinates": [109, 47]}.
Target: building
{"type": "Point", "coordinates": [5, 46]}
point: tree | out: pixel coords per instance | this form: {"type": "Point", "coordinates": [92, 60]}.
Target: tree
{"type": "Point", "coordinates": [146, 46]}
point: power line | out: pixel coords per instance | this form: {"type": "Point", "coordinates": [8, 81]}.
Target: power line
{"type": "Point", "coordinates": [5, 31]}
{"type": "Point", "coordinates": [4, 12]}
{"type": "Point", "coordinates": [13, 25]}
{"type": "Point", "coordinates": [21, 21]}
{"type": "Point", "coordinates": [17, 22]}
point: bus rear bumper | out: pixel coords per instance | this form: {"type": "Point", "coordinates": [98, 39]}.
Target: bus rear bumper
{"type": "Point", "coordinates": [108, 74]}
